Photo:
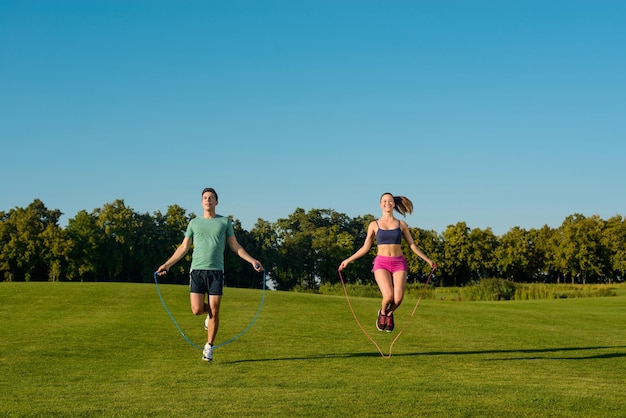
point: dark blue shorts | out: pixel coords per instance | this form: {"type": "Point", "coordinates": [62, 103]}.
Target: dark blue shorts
{"type": "Point", "coordinates": [206, 281]}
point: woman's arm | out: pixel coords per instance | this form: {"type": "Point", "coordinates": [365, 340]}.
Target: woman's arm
{"type": "Point", "coordinates": [367, 245]}
{"type": "Point", "coordinates": [409, 239]}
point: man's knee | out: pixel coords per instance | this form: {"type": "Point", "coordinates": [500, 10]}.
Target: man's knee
{"type": "Point", "coordinates": [197, 310]}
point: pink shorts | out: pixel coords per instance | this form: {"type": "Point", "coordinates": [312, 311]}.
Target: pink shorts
{"type": "Point", "coordinates": [391, 264]}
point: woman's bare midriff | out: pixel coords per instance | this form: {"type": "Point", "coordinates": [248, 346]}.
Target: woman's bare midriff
{"type": "Point", "coordinates": [390, 250]}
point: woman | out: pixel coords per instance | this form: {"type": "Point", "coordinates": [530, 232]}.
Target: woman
{"type": "Point", "coordinates": [390, 268]}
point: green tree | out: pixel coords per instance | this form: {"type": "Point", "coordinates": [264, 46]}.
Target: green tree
{"type": "Point", "coordinates": [144, 254]}
{"type": "Point", "coordinates": [310, 246]}
{"type": "Point", "coordinates": [513, 254]}
{"type": "Point", "coordinates": [457, 253]}
{"type": "Point", "coordinates": [170, 230]}
{"type": "Point", "coordinates": [482, 261]}
{"type": "Point", "coordinates": [118, 225]}
{"type": "Point", "coordinates": [430, 243]}
{"type": "Point", "coordinates": [351, 237]}
{"type": "Point", "coordinates": [31, 243]}
{"type": "Point", "coordinates": [328, 241]}
{"type": "Point", "coordinates": [613, 241]}
{"type": "Point", "coordinates": [239, 273]}
{"type": "Point", "coordinates": [264, 233]}
{"type": "Point", "coordinates": [545, 261]}
{"type": "Point", "coordinates": [295, 258]}
{"type": "Point", "coordinates": [304, 249]}
{"type": "Point", "coordinates": [58, 247]}
{"type": "Point", "coordinates": [85, 238]}
{"type": "Point", "coordinates": [578, 253]}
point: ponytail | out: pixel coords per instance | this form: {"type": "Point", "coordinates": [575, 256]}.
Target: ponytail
{"type": "Point", "coordinates": [403, 204]}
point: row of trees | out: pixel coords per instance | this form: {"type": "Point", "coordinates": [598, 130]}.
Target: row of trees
{"type": "Point", "coordinates": [115, 243]}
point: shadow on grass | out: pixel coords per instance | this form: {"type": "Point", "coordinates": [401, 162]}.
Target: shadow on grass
{"type": "Point", "coordinates": [465, 353]}
{"type": "Point", "coordinates": [298, 358]}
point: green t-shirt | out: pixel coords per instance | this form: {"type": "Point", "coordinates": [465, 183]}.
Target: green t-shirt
{"type": "Point", "coordinates": [209, 241]}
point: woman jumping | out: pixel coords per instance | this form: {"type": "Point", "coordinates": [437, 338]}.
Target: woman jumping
{"type": "Point", "coordinates": [390, 267]}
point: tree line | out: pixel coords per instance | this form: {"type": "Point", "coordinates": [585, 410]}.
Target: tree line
{"type": "Point", "coordinates": [115, 243]}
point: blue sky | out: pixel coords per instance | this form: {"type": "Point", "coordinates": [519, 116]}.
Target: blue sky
{"type": "Point", "coordinates": [496, 113]}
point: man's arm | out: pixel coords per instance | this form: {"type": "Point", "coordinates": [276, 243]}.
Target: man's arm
{"type": "Point", "coordinates": [180, 252]}
{"type": "Point", "coordinates": [234, 245]}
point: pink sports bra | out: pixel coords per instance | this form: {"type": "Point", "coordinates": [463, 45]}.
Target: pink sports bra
{"type": "Point", "coordinates": [388, 236]}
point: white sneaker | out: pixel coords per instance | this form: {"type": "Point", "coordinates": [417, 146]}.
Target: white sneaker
{"type": "Point", "coordinates": [207, 353]}
{"type": "Point", "coordinates": [206, 323]}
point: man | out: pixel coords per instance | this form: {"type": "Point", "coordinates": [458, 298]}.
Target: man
{"type": "Point", "coordinates": [209, 235]}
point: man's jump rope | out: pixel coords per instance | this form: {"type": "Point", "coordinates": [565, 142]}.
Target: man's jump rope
{"type": "Point", "coordinates": [191, 343]}
{"type": "Point", "coordinates": [156, 282]}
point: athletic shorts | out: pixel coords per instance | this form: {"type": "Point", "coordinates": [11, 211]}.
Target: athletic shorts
{"type": "Point", "coordinates": [391, 264]}
{"type": "Point", "coordinates": [206, 281]}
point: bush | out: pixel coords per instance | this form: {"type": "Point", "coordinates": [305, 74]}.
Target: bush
{"type": "Point", "coordinates": [491, 289]}
{"type": "Point", "coordinates": [484, 290]}
{"type": "Point", "coordinates": [561, 291]}
{"type": "Point", "coordinates": [354, 290]}
{"type": "Point", "coordinates": [371, 290]}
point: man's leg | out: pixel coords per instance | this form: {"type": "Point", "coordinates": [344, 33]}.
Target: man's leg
{"type": "Point", "coordinates": [198, 307]}
{"type": "Point", "coordinates": [214, 319]}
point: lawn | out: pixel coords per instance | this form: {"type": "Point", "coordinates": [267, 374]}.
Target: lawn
{"type": "Point", "coordinates": [110, 349]}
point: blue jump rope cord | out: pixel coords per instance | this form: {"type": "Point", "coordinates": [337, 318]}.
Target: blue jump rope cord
{"type": "Point", "coordinates": [191, 343]}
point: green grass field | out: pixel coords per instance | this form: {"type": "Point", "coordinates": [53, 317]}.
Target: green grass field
{"type": "Point", "coordinates": [110, 349]}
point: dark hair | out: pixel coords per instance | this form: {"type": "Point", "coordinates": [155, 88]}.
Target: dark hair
{"type": "Point", "coordinates": [210, 189]}
{"type": "Point", "coordinates": [402, 204]}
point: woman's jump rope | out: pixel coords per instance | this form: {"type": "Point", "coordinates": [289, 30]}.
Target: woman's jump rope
{"type": "Point", "coordinates": [191, 343]}
{"type": "Point", "coordinates": [405, 325]}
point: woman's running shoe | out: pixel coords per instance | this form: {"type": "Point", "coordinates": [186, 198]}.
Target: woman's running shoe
{"type": "Point", "coordinates": [390, 324]}
{"type": "Point", "coordinates": [381, 322]}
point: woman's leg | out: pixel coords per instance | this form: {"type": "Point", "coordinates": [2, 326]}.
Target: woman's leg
{"type": "Point", "coordinates": [399, 286]}
{"type": "Point", "coordinates": [385, 284]}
